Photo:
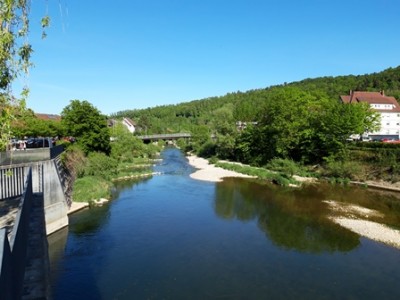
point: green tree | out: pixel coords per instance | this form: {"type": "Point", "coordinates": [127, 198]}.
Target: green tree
{"type": "Point", "coordinates": [15, 54]}
{"type": "Point", "coordinates": [125, 145]}
{"type": "Point", "coordinates": [85, 123]}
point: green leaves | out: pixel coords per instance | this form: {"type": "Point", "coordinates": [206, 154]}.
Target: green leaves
{"type": "Point", "coordinates": [85, 122]}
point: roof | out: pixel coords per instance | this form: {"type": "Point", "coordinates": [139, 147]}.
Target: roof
{"type": "Point", "coordinates": [371, 98]}
{"type": "Point", "coordinates": [48, 117]}
{"type": "Point", "coordinates": [128, 120]}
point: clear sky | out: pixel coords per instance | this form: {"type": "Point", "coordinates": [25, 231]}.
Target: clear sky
{"type": "Point", "coordinates": [128, 54]}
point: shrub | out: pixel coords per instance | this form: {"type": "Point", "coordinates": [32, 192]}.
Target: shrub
{"type": "Point", "coordinates": [213, 160]}
{"type": "Point", "coordinates": [286, 166]}
{"type": "Point", "coordinates": [74, 160]}
{"type": "Point", "coordinates": [101, 165]}
{"type": "Point", "coordinates": [344, 169]}
{"type": "Point", "coordinates": [207, 150]}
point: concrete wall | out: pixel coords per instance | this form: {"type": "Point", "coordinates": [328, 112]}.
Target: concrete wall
{"type": "Point", "coordinates": [30, 155]}
{"type": "Point", "coordinates": [55, 203]}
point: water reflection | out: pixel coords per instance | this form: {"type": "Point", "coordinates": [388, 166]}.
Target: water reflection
{"type": "Point", "coordinates": [90, 220]}
{"type": "Point", "coordinates": [291, 218]}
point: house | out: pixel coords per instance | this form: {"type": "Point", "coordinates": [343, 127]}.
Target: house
{"type": "Point", "coordinates": [386, 106]}
{"type": "Point", "coordinates": [128, 123]}
{"type": "Point", "coordinates": [48, 117]}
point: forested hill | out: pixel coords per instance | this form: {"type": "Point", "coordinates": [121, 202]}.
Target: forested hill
{"type": "Point", "coordinates": [245, 106]}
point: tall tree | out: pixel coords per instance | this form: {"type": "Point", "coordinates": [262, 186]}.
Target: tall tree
{"type": "Point", "coordinates": [85, 123]}
{"type": "Point", "coordinates": [15, 54]}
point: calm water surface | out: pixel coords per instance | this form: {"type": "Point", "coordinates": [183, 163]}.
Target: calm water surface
{"type": "Point", "coordinates": [172, 237]}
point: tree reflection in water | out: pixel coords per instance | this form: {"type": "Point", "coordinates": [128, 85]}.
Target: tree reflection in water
{"type": "Point", "coordinates": [290, 218]}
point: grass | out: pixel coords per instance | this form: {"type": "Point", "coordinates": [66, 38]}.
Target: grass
{"type": "Point", "coordinates": [276, 177]}
{"type": "Point", "coordinates": [89, 188]}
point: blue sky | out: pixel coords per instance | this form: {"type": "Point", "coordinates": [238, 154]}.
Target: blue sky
{"type": "Point", "coordinates": [128, 54]}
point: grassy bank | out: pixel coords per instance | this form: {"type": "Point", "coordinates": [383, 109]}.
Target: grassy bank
{"type": "Point", "coordinates": [261, 173]}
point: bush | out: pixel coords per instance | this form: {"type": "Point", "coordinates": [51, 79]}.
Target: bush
{"type": "Point", "coordinates": [344, 169]}
{"type": "Point", "coordinates": [207, 150]}
{"type": "Point", "coordinates": [286, 166]}
{"type": "Point", "coordinates": [74, 160]}
{"type": "Point", "coordinates": [101, 165]}
{"type": "Point", "coordinates": [213, 160]}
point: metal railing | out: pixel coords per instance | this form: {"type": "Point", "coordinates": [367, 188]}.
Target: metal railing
{"type": "Point", "coordinates": [165, 136]}
{"type": "Point", "coordinates": [12, 179]}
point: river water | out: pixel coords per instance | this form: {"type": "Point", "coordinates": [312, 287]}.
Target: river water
{"type": "Point", "coordinates": [173, 237]}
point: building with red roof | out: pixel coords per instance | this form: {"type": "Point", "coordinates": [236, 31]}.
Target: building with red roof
{"type": "Point", "coordinates": [386, 106]}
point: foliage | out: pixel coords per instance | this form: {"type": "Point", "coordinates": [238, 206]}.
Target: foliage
{"type": "Point", "coordinates": [100, 165]}
{"type": "Point", "coordinates": [85, 122]}
{"type": "Point", "coordinates": [89, 188]}
{"type": "Point", "coordinates": [286, 166]}
{"type": "Point", "coordinates": [74, 160]}
{"type": "Point", "coordinates": [207, 149]}
{"type": "Point", "coordinates": [125, 145]}
{"type": "Point", "coordinates": [344, 169]}
{"type": "Point", "coordinates": [15, 55]}
{"type": "Point", "coordinates": [26, 124]}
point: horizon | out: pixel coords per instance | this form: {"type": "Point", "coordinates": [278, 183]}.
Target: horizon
{"type": "Point", "coordinates": [137, 55]}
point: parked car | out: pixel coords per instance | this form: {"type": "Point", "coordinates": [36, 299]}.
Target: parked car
{"type": "Point", "coordinates": [39, 143]}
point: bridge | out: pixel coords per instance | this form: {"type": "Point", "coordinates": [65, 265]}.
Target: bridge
{"type": "Point", "coordinates": [165, 137]}
{"type": "Point", "coordinates": [33, 204]}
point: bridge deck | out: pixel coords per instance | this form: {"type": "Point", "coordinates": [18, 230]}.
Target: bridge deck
{"type": "Point", "coordinates": [37, 280]}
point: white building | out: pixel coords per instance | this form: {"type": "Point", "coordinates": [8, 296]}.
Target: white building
{"type": "Point", "coordinates": [388, 108]}
{"type": "Point", "coordinates": [128, 123]}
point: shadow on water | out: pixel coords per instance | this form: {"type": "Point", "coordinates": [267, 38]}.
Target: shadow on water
{"type": "Point", "coordinates": [68, 249]}
{"type": "Point", "coordinates": [290, 218]}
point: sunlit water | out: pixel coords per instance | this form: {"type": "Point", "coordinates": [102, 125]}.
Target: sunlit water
{"type": "Point", "coordinates": [172, 237]}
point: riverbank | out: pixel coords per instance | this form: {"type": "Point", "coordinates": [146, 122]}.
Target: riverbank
{"type": "Point", "coordinates": [355, 217]}
{"type": "Point", "coordinates": [208, 172]}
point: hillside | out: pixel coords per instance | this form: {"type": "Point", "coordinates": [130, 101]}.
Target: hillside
{"type": "Point", "coordinates": [245, 106]}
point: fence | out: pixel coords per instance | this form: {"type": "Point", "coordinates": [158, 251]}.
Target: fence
{"type": "Point", "coordinates": [12, 179]}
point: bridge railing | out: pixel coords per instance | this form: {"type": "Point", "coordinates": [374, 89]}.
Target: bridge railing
{"type": "Point", "coordinates": [13, 253]}
{"type": "Point", "coordinates": [12, 179]}
{"type": "Point", "coordinates": [165, 136]}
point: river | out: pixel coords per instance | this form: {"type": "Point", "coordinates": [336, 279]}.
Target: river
{"type": "Point", "coordinates": [173, 237]}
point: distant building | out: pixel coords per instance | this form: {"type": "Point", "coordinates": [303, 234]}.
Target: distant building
{"type": "Point", "coordinates": [243, 125]}
{"type": "Point", "coordinates": [128, 123]}
{"type": "Point", "coordinates": [48, 117]}
{"type": "Point", "coordinates": [386, 106]}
